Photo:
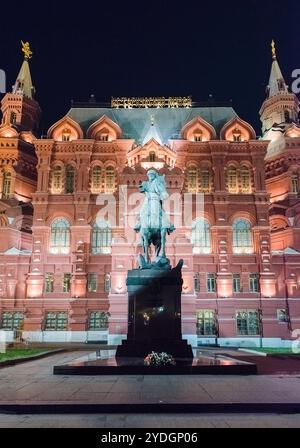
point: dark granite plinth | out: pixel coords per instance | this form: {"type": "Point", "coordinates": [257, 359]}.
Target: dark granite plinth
{"type": "Point", "coordinates": [154, 314]}
{"type": "Point", "coordinates": [105, 363]}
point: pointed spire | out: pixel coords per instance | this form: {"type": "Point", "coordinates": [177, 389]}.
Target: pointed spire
{"type": "Point", "coordinates": [277, 83]}
{"type": "Point", "coordinates": [23, 83]}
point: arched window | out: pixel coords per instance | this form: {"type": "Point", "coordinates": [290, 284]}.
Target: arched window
{"type": "Point", "coordinates": [201, 238]}
{"type": "Point", "coordinates": [66, 135]}
{"type": "Point", "coordinates": [242, 237]}
{"type": "Point", "coordinates": [70, 179]}
{"type": "Point", "coordinates": [96, 179]}
{"type": "Point", "coordinates": [13, 117]}
{"type": "Point", "coordinates": [198, 136]}
{"type": "Point", "coordinates": [60, 236]}
{"type": "Point", "coordinates": [101, 238]}
{"type": "Point", "coordinates": [110, 180]}
{"type": "Point", "coordinates": [56, 180]}
{"type": "Point", "coordinates": [245, 180]}
{"type": "Point", "coordinates": [192, 179]}
{"type": "Point", "coordinates": [295, 183]}
{"type": "Point", "coordinates": [205, 180]}
{"type": "Point", "coordinates": [237, 135]}
{"type": "Point", "coordinates": [6, 186]}
{"type": "Point", "coordinates": [232, 180]}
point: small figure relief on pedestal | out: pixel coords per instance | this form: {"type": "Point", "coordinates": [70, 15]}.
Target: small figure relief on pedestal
{"type": "Point", "coordinates": [153, 223]}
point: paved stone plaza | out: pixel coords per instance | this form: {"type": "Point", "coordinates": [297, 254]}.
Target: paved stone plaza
{"type": "Point", "coordinates": [33, 384]}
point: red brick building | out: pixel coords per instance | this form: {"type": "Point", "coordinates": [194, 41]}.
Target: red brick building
{"type": "Point", "coordinates": [66, 227]}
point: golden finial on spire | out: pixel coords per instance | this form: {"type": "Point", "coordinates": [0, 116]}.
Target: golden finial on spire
{"type": "Point", "coordinates": [26, 50]}
{"type": "Point", "coordinates": [273, 45]}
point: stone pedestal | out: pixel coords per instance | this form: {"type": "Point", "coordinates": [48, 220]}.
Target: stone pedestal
{"type": "Point", "coordinates": [154, 314]}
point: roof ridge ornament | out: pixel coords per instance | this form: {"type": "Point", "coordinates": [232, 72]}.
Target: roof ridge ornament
{"type": "Point", "coordinates": [26, 50]}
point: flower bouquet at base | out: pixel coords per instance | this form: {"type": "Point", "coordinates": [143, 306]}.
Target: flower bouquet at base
{"type": "Point", "coordinates": [159, 359]}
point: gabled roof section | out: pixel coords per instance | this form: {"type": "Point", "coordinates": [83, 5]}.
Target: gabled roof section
{"type": "Point", "coordinates": [66, 122]}
{"type": "Point", "coordinates": [107, 124]}
{"type": "Point", "coordinates": [135, 123]}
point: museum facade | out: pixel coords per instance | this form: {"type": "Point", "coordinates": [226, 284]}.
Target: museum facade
{"type": "Point", "coordinates": [69, 202]}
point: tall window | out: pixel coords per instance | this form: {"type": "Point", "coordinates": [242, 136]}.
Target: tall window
{"type": "Point", "coordinates": [152, 157]}
{"type": "Point", "coordinates": [92, 282]}
{"type": "Point", "coordinates": [295, 183]}
{"type": "Point", "coordinates": [49, 283]}
{"type": "Point", "coordinates": [205, 180]}
{"type": "Point", "coordinates": [236, 279]}
{"type": "Point", "coordinates": [66, 283]}
{"type": "Point", "coordinates": [107, 283]}
{"type": "Point", "coordinates": [232, 180]}
{"type": "Point", "coordinates": [197, 283]}
{"type": "Point", "coordinates": [201, 237]}
{"type": "Point", "coordinates": [101, 238]}
{"type": "Point", "coordinates": [192, 179]}
{"type": "Point", "coordinates": [98, 320]}
{"type": "Point", "coordinates": [206, 323]}
{"type": "Point", "coordinates": [254, 283]}
{"type": "Point", "coordinates": [70, 179]}
{"type": "Point", "coordinates": [56, 321]}
{"type": "Point", "coordinates": [13, 117]}
{"type": "Point", "coordinates": [96, 179]}
{"type": "Point", "coordinates": [211, 283]}
{"type": "Point", "coordinates": [110, 180]}
{"type": "Point", "coordinates": [242, 237]}
{"type": "Point", "coordinates": [245, 180]}
{"type": "Point", "coordinates": [57, 180]}
{"type": "Point", "coordinates": [6, 186]}
{"type": "Point", "coordinates": [12, 321]}
{"type": "Point", "coordinates": [247, 323]}
{"type": "Point", "coordinates": [60, 236]}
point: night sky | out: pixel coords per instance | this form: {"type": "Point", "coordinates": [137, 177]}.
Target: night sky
{"type": "Point", "coordinates": [150, 48]}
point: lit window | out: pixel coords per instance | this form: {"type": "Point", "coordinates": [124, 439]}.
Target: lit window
{"type": "Point", "coordinates": [248, 323]}
{"type": "Point", "coordinates": [92, 282]}
{"type": "Point", "coordinates": [66, 135]}
{"type": "Point", "coordinates": [295, 183]}
{"type": "Point", "coordinates": [56, 321]}
{"type": "Point", "coordinates": [98, 320]}
{"type": "Point", "coordinates": [192, 180]}
{"type": "Point", "coordinates": [57, 180]}
{"type": "Point", "coordinates": [237, 135]}
{"type": "Point", "coordinates": [245, 180]}
{"type": "Point", "coordinates": [12, 321]}
{"type": "Point", "coordinates": [201, 238]}
{"type": "Point", "coordinates": [96, 179]}
{"type": "Point", "coordinates": [101, 238]}
{"type": "Point", "coordinates": [49, 282]}
{"type": "Point", "coordinates": [254, 283]}
{"type": "Point", "coordinates": [211, 283]}
{"type": "Point", "coordinates": [70, 179]}
{"type": "Point", "coordinates": [232, 180]}
{"type": "Point", "coordinates": [67, 283]}
{"type": "Point", "coordinates": [198, 136]}
{"type": "Point", "coordinates": [205, 180]}
{"type": "Point", "coordinates": [242, 237]}
{"type": "Point", "coordinates": [60, 237]}
{"type": "Point", "coordinates": [107, 283]}
{"type": "Point", "coordinates": [6, 186]}
{"type": "Point", "coordinates": [237, 287]}
{"type": "Point", "coordinates": [110, 180]}
{"type": "Point", "coordinates": [103, 137]}
{"type": "Point", "coordinates": [206, 323]}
